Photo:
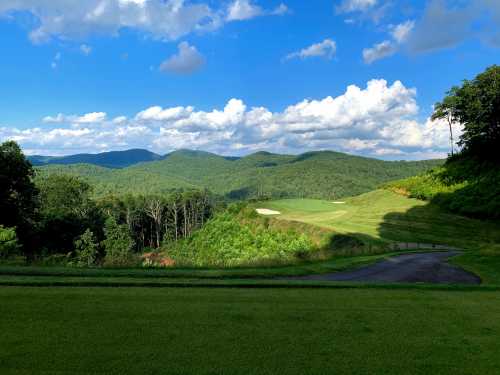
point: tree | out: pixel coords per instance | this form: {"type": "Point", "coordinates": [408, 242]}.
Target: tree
{"type": "Point", "coordinates": [154, 209]}
{"type": "Point", "coordinates": [18, 195]}
{"type": "Point", "coordinates": [8, 242]}
{"type": "Point", "coordinates": [118, 244]}
{"type": "Point", "coordinates": [66, 211]}
{"type": "Point", "coordinates": [87, 249]}
{"type": "Point", "coordinates": [476, 106]}
{"type": "Point", "coordinates": [445, 110]}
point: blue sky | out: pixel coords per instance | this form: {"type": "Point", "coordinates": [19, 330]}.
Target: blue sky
{"type": "Point", "coordinates": [238, 76]}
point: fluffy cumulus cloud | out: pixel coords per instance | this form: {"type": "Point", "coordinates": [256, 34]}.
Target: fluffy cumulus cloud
{"type": "Point", "coordinates": [326, 48]}
{"type": "Point", "coordinates": [380, 119]}
{"type": "Point", "coordinates": [162, 19]}
{"type": "Point", "coordinates": [186, 61]}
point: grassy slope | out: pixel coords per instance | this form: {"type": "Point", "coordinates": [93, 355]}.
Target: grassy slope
{"type": "Point", "coordinates": [248, 331]}
{"type": "Point", "coordinates": [318, 174]}
{"type": "Point", "coordinates": [382, 214]}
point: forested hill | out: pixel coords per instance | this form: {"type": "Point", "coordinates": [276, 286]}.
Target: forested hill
{"type": "Point", "coordinates": [323, 174]}
{"type": "Point", "coordinates": [113, 159]}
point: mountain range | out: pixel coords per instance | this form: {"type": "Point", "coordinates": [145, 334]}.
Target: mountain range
{"type": "Point", "coordinates": [319, 174]}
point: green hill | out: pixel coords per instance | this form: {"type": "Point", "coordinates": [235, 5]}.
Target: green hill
{"type": "Point", "coordinates": [324, 174]}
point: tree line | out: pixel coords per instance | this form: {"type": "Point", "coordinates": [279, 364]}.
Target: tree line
{"type": "Point", "coordinates": [56, 214]}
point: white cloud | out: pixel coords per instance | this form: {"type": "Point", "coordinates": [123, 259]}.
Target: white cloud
{"type": "Point", "coordinates": [446, 24]}
{"type": "Point", "coordinates": [85, 49]}
{"type": "Point", "coordinates": [157, 113]}
{"type": "Point", "coordinates": [241, 10]}
{"type": "Point", "coordinates": [186, 61]}
{"type": "Point", "coordinates": [75, 19]}
{"type": "Point", "coordinates": [326, 48]}
{"type": "Point", "coordinates": [377, 120]}
{"type": "Point", "coordinates": [348, 6]}
{"type": "Point", "coordinates": [88, 118]}
{"type": "Point", "coordinates": [379, 51]}
{"type": "Point", "coordinates": [161, 19]}
{"type": "Point", "coordinates": [399, 34]}
{"type": "Point", "coordinates": [280, 10]}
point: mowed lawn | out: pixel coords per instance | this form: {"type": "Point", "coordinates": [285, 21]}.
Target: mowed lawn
{"type": "Point", "coordinates": [382, 214]}
{"type": "Point", "coordinates": [248, 331]}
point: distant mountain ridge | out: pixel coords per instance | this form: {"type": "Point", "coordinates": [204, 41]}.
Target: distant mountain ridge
{"type": "Point", "coordinates": [112, 159]}
{"type": "Point", "coordinates": [319, 174]}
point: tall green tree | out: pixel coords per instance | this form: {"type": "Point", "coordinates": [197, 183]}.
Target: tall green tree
{"type": "Point", "coordinates": [87, 249]}
{"type": "Point", "coordinates": [118, 244]}
{"type": "Point", "coordinates": [476, 106]}
{"type": "Point", "coordinates": [66, 211]}
{"type": "Point", "coordinates": [18, 195]}
{"type": "Point", "coordinates": [445, 110]}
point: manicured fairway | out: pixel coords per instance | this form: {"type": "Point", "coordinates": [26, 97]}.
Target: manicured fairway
{"type": "Point", "coordinates": [248, 331]}
{"type": "Point", "coordinates": [382, 214]}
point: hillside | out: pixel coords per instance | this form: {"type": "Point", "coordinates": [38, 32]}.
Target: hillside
{"type": "Point", "coordinates": [113, 159]}
{"type": "Point", "coordinates": [324, 174]}
{"type": "Point", "coordinates": [465, 185]}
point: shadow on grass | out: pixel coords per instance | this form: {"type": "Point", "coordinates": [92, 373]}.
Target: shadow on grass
{"type": "Point", "coordinates": [430, 224]}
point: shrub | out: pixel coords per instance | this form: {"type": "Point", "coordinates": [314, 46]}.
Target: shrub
{"type": "Point", "coordinates": [8, 242]}
{"type": "Point", "coordinates": [235, 239]}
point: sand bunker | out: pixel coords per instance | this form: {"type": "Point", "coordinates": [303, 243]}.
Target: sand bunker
{"type": "Point", "coordinates": [338, 202]}
{"type": "Point", "coordinates": [265, 211]}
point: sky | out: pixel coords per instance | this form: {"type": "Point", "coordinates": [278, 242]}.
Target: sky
{"type": "Point", "coordinates": [238, 76]}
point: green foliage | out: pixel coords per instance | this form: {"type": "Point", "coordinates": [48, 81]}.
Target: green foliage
{"type": "Point", "coordinates": [18, 194]}
{"type": "Point", "coordinates": [66, 210]}
{"type": "Point", "coordinates": [233, 239]}
{"type": "Point", "coordinates": [476, 106]}
{"type": "Point", "coordinates": [465, 185]}
{"type": "Point", "coordinates": [63, 195]}
{"type": "Point", "coordinates": [8, 242]}
{"type": "Point", "coordinates": [118, 244]}
{"type": "Point", "coordinates": [87, 249]}
{"type": "Point", "coordinates": [326, 175]}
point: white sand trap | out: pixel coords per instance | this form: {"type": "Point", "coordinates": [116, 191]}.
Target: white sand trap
{"type": "Point", "coordinates": [265, 211]}
{"type": "Point", "coordinates": [338, 202]}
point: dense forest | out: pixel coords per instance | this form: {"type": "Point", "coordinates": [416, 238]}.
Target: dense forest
{"type": "Point", "coordinates": [323, 175]}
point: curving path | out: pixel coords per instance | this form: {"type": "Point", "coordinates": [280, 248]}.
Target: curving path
{"type": "Point", "coordinates": [406, 268]}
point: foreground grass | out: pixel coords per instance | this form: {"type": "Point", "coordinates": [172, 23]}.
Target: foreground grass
{"type": "Point", "coordinates": [248, 331]}
{"type": "Point", "coordinates": [385, 215]}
